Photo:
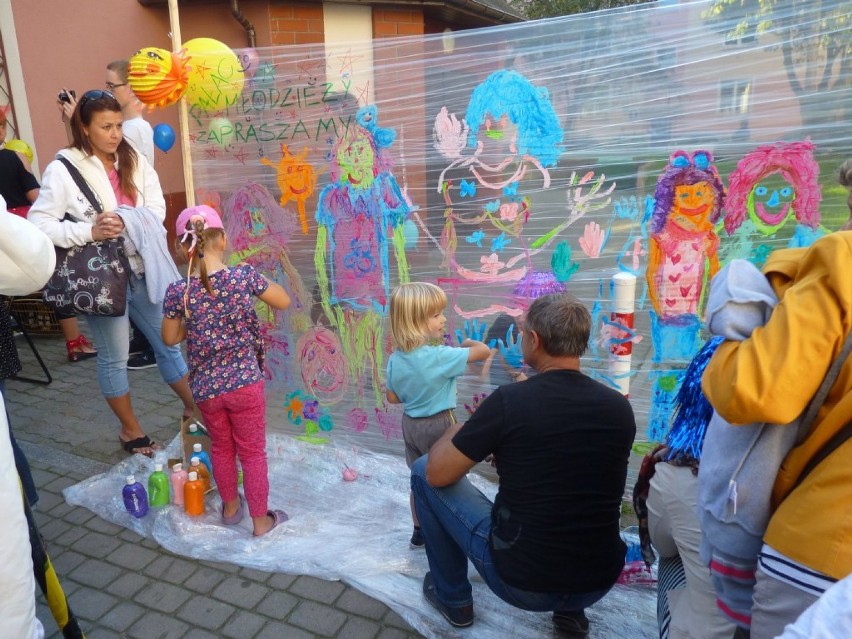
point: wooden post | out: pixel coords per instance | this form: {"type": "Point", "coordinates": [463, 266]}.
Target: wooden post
{"type": "Point", "coordinates": [183, 111]}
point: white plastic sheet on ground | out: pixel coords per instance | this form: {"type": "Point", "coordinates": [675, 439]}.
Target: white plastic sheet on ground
{"type": "Point", "coordinates": [356, 532]}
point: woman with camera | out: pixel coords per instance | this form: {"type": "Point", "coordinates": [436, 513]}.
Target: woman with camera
{"type": "Point", "coordinates": [128, 190]}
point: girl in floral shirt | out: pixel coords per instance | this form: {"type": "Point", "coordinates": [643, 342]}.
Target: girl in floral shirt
{"type": "Point", "coordinates": [214, 310]}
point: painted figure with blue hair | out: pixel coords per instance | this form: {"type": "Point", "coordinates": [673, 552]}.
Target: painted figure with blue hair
{"type": "Point", "coordinates": [499, 153]}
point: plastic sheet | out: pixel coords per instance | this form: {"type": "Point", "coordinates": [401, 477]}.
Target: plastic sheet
{"type": "Point", "coordinates": [353, 531]}
{"type": "Point", "coordinates": [507, 162]}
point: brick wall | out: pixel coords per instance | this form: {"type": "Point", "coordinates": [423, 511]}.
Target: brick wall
{"type": "Point", "coordinates": [296, 23]}
{"type": "Point", "coordinates": [388, 23]}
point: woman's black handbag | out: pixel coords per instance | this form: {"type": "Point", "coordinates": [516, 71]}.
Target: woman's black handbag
{"type": "Point", "coordinates": [90, 279]}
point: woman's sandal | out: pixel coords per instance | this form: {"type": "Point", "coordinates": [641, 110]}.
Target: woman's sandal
{"type": "Point", "coordinates": [133, 446]}
{"type": "Point", "coordinates": [76, 349]}
{"type": "Point", "coordinates": [278, 517]}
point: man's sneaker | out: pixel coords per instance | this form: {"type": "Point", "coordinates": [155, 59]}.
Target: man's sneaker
{"type": "Point", "coordinates": [460, 617]}
{"type": "Point", "coordinates": [417, 539]}
{"type": "Point", "coordinates": [138, 346]}
{"type": "Point", "coordinates": [571, 625]}
{"type": "Point", "coordinates": [141, 361]}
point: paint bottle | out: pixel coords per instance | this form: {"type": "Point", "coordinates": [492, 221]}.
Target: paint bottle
{"type": "Point", "coordinates": [195, 466]}
{"type": "Point", "coordinates": [178, 479]}
{"type": "Point", "coordinates": [158, 488]}
{"type": "Point", "coordinates": [197, 430]}
{"type": "Point", "coordinates": [135, 498]}
{"type": "Point", "coordinates": [203, 457]}
{"type": "Point", "coordinates": [193, 495]}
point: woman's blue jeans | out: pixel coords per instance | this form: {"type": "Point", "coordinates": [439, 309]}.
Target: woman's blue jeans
{"type": "Point", "coordinates": [111, 336]}
{"type": "Point", "coordinates": [456, 523]}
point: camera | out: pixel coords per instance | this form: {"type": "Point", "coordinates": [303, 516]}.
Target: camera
{"type": "Point", "coordinates": [63, 96]}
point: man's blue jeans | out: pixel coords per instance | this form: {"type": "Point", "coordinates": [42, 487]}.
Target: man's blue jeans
{"type": "Point", "coordinates": [456, 522]}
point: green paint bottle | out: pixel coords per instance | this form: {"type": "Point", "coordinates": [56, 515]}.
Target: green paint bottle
{"type": "Point", "coordinates": [158, 488]}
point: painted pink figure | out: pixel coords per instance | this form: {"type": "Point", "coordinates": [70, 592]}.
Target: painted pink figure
{"type": "Point", "coordinates": [770, 186]}
{"type": "Point", "coordinates": [683, 245]}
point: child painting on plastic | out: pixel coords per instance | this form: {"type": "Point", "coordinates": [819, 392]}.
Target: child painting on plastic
{"type": "Point", "coordinates": [422, 371]}
{"type": "Point", "coordinates": [770, 186]}
{"type": "Point", "coordinates": [359, 214]}
{"type": "Point", "coordinates": [213, 309]}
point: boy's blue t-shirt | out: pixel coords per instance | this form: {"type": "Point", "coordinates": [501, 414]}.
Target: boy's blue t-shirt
{"type": "Point", "coordinates": [425, 379]}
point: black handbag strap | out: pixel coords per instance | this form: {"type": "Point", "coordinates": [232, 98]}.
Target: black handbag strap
{"type": "Point", "coordinates": [81, 183]}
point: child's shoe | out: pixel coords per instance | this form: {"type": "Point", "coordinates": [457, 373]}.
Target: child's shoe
{"type": "Point", "coordinates": [417, 539]}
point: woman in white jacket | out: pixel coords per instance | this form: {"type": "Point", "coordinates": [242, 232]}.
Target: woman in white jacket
{"type": "Point", "coordinates": [26, 262]}
{"type": "Point", "coordinates": [126, 185]}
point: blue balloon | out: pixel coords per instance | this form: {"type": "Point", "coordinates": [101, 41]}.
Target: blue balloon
{"type": "Point", "coordinates": [164, 137]}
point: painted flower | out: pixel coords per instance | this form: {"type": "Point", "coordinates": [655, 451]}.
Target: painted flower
{"type": "Point", "coordinates": [310, 409]}
{"type": "Point", "coordinates": [511, 189]}
{"type": "Point", "coordinates": [492, 206]}
{"type": "Point", "coordinates": [491, 264]}
{"type": "Point", "coordinates": [467, 189]}
{"type": "Point", "coordinates": [326, 423]}
{"type": "Point", "coordinates": [499, 243]}
{"type": "Point", "coordinates": [509, 211]}
{"type": "Point", "coordinates": [294, 403]}
{"type": "Point", "coordinates": [476, 238]}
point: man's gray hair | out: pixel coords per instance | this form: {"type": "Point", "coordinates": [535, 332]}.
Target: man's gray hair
{"type": "Point", "coordinates": [562, 322]}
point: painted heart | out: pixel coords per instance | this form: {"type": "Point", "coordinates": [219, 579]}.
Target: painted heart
{"type": "Point", "coordinates": [696, 246]}
{"type": "Point", "coordinates": [675, 258]}
{"type": "Point", "coordinates": [688, 267]}
{"type": "Point", "coordinates": [684, 290]}
{"type": "Point", "coordinates": [675, 277]}
{"type": "Point", "coordinates": [670, 302]}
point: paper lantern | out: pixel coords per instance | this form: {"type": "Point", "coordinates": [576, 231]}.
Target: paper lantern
{"type": "Point", "coordinates": [19, 146]}
{"type": "Point", "coordinates": [157, 77]}
{"type": "Point", "coordinates": [216, 74]}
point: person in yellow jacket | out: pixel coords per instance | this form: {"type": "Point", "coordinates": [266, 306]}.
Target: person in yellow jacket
{"type": "Point", "coordinates": [771, 377]}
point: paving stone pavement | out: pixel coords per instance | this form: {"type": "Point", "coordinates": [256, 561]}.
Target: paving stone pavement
{"type": "Point", "coordinates": [121, 585]}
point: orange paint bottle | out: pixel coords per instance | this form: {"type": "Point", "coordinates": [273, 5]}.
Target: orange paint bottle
{"type": "Point", "coordinates": [203, 474]}
{"type": "Point", "coordinates": [193, 495]}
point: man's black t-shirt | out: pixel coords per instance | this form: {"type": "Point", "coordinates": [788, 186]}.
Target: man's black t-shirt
{"type": "Point", "coordinates": [15, 180]}
{"type": "Point", "coordinates": [561, 442]}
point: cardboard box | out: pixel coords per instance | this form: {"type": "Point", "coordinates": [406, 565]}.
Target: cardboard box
{"type": "Point", "coordinates": [187, 440]}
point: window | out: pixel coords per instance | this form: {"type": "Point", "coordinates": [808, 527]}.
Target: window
{"type": "Point", "coordinates": [734, 96]}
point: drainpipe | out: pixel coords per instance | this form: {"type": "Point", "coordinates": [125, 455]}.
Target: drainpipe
{"type": "Point", "coordinates": [241, 18]}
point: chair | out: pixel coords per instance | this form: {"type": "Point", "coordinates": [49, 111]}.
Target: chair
{"type": "Point", "coordinates": [18, 325]}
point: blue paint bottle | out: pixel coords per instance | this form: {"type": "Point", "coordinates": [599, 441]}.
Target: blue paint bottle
{"type": "Point", "coordinates": [203, 457]}
{"type": "Point", "coordinates": [135, 497]}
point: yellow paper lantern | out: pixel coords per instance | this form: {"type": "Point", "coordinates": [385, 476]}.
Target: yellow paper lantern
{"type": "Point", "coordinates": [216, 75]}
{"type": "Point", "coordinates": [19, 146]}
{"type": "Point", "coordinates": [158, 77]}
